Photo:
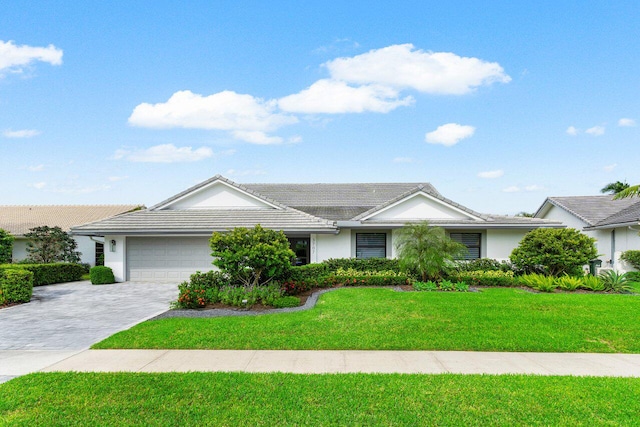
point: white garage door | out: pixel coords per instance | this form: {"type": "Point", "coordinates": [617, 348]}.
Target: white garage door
{"type": "Point", "coordinates": [167, 259]}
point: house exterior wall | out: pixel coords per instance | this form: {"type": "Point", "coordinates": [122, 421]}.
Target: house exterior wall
{"type": "Point", "coordinates": [627, 239]}
{"type": "Point", "coordinates": [85, 245]}
{"type": "Point", "coordinates": [332, 246]}
{"type": "Point", "coordinates": [115, 256]}
{"type": "Point", "coordinates": [500, 243]}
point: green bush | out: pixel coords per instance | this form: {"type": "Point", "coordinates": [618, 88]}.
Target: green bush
{"type": "Point", "coordinates": [634, 276]}
{"type": "Point", "coordinates": [366, 280]}
{"type": "Point", "coordinates": [632, 257]}
{"type": "Point", "coordinates": [101, 275]}
{"type": "Point", "coordinates": [212, 279]}
{"type": "Point", "coordinates": [16, 286]}
{"type": "Point", "coordinates": [369, 264]}
{"type": "Point", "coordinates": [286, 301]}
{"type": "Point", "coordinates": [592, 283]}
{"type": "Point", "coordinates": [482, 264]}
{"type": "Point", "coordinates": [616, 282]}
{"type": "Point", "coordinates": [6, 246]}
{"type": "Point", "coordinates": [425, 286]}
{"type": "Point", "coordinates": [556, 250]}
{"type": "Point", "coordinates": [538, 282]}
{"type": "Point", "coordinates": [569, 283]}
{"type": "Point", "coordinates": [487, 278]}
{"type": "Point", "coordinates": [47, 274]}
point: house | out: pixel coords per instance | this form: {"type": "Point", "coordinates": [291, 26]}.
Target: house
{"type": "Point", "coordinates": [614, 224]}
{"type": "Point", "coordinates": [18, 220]}
{"type": "Point", "coordinates": [169, 241]}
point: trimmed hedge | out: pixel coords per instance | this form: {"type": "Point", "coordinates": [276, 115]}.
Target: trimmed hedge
{"type": "Point", "coordinates": [47, 274]}
{"type": "Point", "coordinates": [369, 264]}
{"type": "Point", "coordinates": [487, 278]}
{"type": "Point", "coordinates": [16, 286]}
{"type": "Point", "coordinates": [334, 280]}
{"type": "Point", "coordinates": [101, 275]}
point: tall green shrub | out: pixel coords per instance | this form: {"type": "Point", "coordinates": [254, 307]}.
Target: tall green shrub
{"type": "Point", "coordinates": [426, 249]}
{"type": "Point", "coordinates": [51, 244]}
{"type": "Point", "coordinates": [16, 286]}
{"type": "Point", "coordinates": [556, 250]}
{"type": "Point", "coordinates": [6, 246]}
{"type": "Point", "coordinates": [252, 256]}
{"type": "Point", "coordinates": [632, 257]}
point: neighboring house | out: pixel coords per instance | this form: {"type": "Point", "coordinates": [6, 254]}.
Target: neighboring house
{"type": "Point", "coordinates": [17, 220]}
{"type": "Point", "coordinates": [170, 240]}
{"type": "Point", "coordinates": [615, 224]}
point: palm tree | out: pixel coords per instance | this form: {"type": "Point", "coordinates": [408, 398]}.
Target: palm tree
{"type": "Point", "coordinates": [426, 249]}
{"type": "Point", "coordinates": [632, 191]}
{"type": "Point", "coordinates": [614, 187]}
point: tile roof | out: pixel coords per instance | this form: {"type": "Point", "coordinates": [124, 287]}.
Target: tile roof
{"type": "Point", "coordinates": [17, 220]}
{"type": "Point", "coordinates": [598, 210]}
{"type": "Point", "coordinates": [206, 221]}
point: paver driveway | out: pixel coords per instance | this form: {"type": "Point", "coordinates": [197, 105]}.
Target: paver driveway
{"type": "Point", "coordinates": [72, 316]}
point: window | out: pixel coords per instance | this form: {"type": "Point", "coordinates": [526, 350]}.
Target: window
{"type": "Point", "coordinates": [371, 245]}
{"type": "Point", "coordinates": [301, 248]}
{"type": "Point", "coordinates": [99, 260]}
{"type": "Point", "coordinates": [471, 241]}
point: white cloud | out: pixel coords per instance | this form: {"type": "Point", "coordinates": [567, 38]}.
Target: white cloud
{"type": "Point", "coordinates": [491, 174]}
{"type": "Point", "coordinates": [256, 137]}
{"type": "Point", "coordinates": [38, 185]}
{"type": "Point", "coordinates": [117, 178]}
{"type": "Point", "coordinates": [595, 131]}
{"type": "Point", "coordinates": [404, 67]}
{"type": "Point", "coordinates": [512, 189]}
{"type": "Point", "coordinates": [610, 167]}
{"type": "Point", "coordinates": [335, 97]}
{"type": "Point", "coordinates": [36, 168]}
{"type": "Point", "coordinates": [403, 160]}
{"type": "Point", "coordinates": [449, 134]}
{"type": "Point", "coordinates": [23, 133]}
{"type": "Point", "coordinates": [15, 58]}
{"type": "Point", "coordinates": [295, 139]}
{"type": "Point", "coordinates": [225, 110]}
{"type": "Point", "coordinates": [533, 187]}
{"type": "Point", "coordinates": [626, 122]}
{"type": "Point", "coordinates": [165, 153]}
{"type": "Point", "coordinates": [247, 172]}
{"type": "Point", "coordinates": [572, 131]}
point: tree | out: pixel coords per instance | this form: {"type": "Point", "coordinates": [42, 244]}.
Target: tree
{"type": "Point", "coordinates": [614, 187]}
{"type": "Point", "coordinates": [6, 246]}
{"type": "Point", "coordinates": [252, 256]}
{"type": "Point", "coordinates": [51, 244]}
{"type": "Point", "coordinates": [632, 191]}
{"type": "Point", "coordinates": [555, 250]}
{"type": "Point", "coordinates": [426, 249]}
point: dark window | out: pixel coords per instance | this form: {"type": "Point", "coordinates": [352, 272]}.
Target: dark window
{"type": "Point", "coordinates": [99, 254]}
{"type": "Point", "coordinates": [300, 246]}
{"type": "Point", "coordinates": [371, 245]}
{"type": "Point", "coordinates": [471, 241]}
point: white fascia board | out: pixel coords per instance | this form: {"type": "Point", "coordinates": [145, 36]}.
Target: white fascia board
{"type": "Point", "coordinates": [428, 196]}
{"type": "Point", "coordinates": [204, 187]}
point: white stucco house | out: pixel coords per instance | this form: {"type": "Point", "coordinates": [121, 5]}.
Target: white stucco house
{"type": "Point", "coordinates": [614, 224]}
{"type": "Point", "coordinates": [169, 241]}
{"type": "Point", "coordinates": [18, 220]}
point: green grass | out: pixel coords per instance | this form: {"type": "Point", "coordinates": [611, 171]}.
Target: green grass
{"type": "Point", "coordinates": [230, 399]}
{"type": "Point", "coordinates": [381, 319]}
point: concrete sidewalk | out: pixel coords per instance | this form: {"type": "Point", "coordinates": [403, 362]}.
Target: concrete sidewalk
{"type": "Point", "coordinates": [304, 361]}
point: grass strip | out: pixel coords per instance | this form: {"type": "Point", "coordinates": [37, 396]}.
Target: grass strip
{"type": "Point", "coordinates": [382, 319]}
{"type": "Point", "coordinates": [225, 399]}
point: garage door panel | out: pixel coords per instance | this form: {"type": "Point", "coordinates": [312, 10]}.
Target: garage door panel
{"type": "Point", "coordinates": [171, 259]}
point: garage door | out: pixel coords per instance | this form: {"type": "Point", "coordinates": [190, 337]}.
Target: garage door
{"type": "Point", "coordinates": [167, 259]}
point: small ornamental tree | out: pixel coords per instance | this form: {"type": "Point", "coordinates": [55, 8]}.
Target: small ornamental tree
{"type": "Point", "coordinates": [252, 256]}
{"type": "Point", "coordinates": [426, 249]}
{"type": "Point", "coordinates": [6, 247]}
{"type": "Point", "coordinates": [555, 250]}
{"type": "Point", "coordinates": [51, 244]}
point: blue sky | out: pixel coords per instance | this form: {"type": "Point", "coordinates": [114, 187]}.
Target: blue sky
{"type": "Point", "coordinates": [498, 104]}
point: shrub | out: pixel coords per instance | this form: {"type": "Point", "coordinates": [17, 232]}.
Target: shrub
{"type": "Point", "coordinates": [482, 264]}
{"type": "Point", "coordinates": [591, 283]}
{"type": "Point", "coordinates": [46, 274]}
{"type": "Point", "coordinates": [208, 280]}
{"type": "Point", "coordinates": [51, 244]}
{"type": "Point", "coordinates": [369, 264]}
{"type": "Point", "coordinates": [252, 256]}
{"type": "Point", "coordinates": [16, 286]}
{"type": "Point", "coordinates": [366, 280]}
{"type": "Point", "coordinates": [569, 283]}
{"type": "Point", "coordinates": [201, 289]}
{"type": "Point", "coordinates": [236, 295]}
{"type": "Point", "coordinates": [101, 275]}
{"type": "Point", "coordinates": [287, 301]}
{"type": "Point", "coordinates": [538, 282]}
{"type": "Point", "coordinates": [487, 278]}
{"type": "Point", "coordinates": [6, 246]}
{"type": "Point", "coordinates": [461, 287]}
{"type": "Point", "coordinates": [425, 286]}
{"type": "Point", "coordinates": [616, 282]}
{"type": "Point", "coordinates": [557, 250]}
{"type": "Point", "coordinates": [426, 249]}
{"type": "Point", "coordinates": [632, 257]}
{"type": "Point", "coordinates": [634, 276]}
{"type": "Point", "coordinates": [446, 285]}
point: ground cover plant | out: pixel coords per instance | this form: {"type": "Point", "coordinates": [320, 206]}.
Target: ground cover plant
{"type": "Point", "coordinates": [496, 319]}
{"type": "Point", "coordinates": [294, 399]}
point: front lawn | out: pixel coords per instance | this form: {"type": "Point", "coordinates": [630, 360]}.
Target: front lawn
{"type": "Point", "coordinates": [381, 319]}
{"type": "Point", "coordinates": [223, 399]}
